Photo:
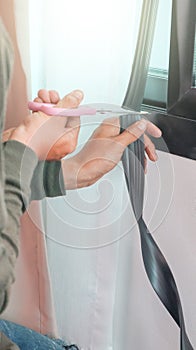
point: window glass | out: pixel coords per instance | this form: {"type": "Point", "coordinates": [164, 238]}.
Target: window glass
{"type": "Point", "coordinates": [156, 86]}
{"type": "Point", "coordinates": [160, 50]}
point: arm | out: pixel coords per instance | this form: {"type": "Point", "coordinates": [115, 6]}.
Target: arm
{"type": "Point", "coordinates": [100, 154]}
{"type": "Point", "coordinates": [18, 159]}
{"type": "Point", "coordinates": [13, 197]}
{"type": "Point", "coordinates": [19, 165]}
{"type": "Point", "coordinates": [47, 180]}
{"type": "Point", "coordinates": [104, 150]}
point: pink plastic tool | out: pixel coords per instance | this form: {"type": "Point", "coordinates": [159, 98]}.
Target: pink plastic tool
{"type": "Point", "coordinates": [51, 109]}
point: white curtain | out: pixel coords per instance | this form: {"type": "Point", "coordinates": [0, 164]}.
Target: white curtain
{"type": "Point", "coordinates": [102, 297]}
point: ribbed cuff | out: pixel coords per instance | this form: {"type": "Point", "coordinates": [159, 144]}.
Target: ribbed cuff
{"type": "Point", "coordinates": [47, 180]}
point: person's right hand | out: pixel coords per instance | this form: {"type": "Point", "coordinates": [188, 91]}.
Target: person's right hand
{"type": "Point", "coordinates": [50, 137]}
{"type": "Point", "coordinates": [104, 150]}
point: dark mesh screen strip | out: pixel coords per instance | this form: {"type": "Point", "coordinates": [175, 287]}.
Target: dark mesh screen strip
{"type": "Point", "coordinates": [156, 266]}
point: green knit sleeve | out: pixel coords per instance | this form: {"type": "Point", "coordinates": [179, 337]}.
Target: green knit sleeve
{"type": "Point", "coordinates": [19, 165]}
{"type": "Point", "coordinates": [47, 180]}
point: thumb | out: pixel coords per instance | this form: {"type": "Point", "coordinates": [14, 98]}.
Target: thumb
{"type": "Point", "coordinates": [132, 133]}
{"type": "Point", "coordinates": [72, 100]}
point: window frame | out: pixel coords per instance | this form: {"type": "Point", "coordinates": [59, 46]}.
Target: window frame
{"type": "Point", "coordinates": [180, 100]}
{"type": "Point", "coordinates": [181, 94]}
{"type": "Point", "coordinates": [155, 94]}
{"type": "Point", "coordinates": [176, 118]}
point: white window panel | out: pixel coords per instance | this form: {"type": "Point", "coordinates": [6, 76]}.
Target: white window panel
{"type": "Point", "coordinates": [156, 86]}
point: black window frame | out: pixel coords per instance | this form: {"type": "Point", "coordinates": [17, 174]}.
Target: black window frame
{"type": "Point", "coordinates": [178, 122]}
{"type": "Point", "coordinates": [177, 119]}
{"type": "Point", "coordinates": [181, 94]}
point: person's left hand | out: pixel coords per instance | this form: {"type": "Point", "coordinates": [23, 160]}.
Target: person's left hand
{"type": "Point", "coordinates": [67, 142]}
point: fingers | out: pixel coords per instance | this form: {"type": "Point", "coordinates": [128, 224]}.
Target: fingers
{"type": "Point", "coordinates": [145, 165]}
{"type": "Point", "coordinates": [109, 127]}
{"type": "Point", "coordinates": [47, 96]}
{"type": "Point", "coordinates": [54, 96]}
{"type": "Point", "coordinates": [114, 121]}
{"type": "Point", "coordinates": [44, 95]}
{"type": "Point", "coordinates": [71, 100]}
{"type": "Point", "coordinates": [150, 149]}
{"type": "Point", "coordinates": [153, 130]}
{"type": "Point", "coordinates": [132, 133]}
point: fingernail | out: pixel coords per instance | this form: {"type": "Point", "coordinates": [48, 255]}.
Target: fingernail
{"type": "Point", "coordinates": [77, 93]}
{"type": "Point", "coordinates": [142, 124]}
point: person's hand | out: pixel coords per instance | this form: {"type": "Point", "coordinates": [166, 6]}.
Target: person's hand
{"type": "Point", "coordinates": [50, 138]}
{"type": "Point", "coordinates": [68, 141]}
{"type": "Point", "coordinates": [104, 150]}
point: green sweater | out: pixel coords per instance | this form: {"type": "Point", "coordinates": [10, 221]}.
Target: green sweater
{"type": "Point", "coordinates": [22, 178]}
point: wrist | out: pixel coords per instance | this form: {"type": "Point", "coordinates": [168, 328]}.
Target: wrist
{"type": "Point", "coordinates": [70, 169]}
{"type": "Point", "coordinates": [74, 174]}
{"type": "Point", "coordinates": [29, 133]}
{"type": "Point", "coordinates": [21, 134]}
